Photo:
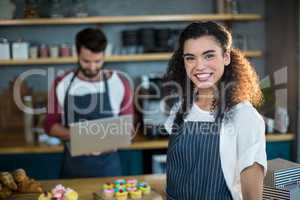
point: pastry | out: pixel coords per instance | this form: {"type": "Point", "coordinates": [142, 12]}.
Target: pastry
{"type": "Point", "coordinates": [24, 183]}
{"type": "Point", "coordinates": [129, 189]}
{"type": "Point", "coordinates": [7, 180]}
{"type": "Point", "coordinates": [120, 181]}
{"type": "Point", "coordinates": [5, 192]}
{"type": "Point", "coordinates": [132, 182]}
{"type": "Point", "coordinates": [19, 175]}
{"type": "Point", "coordinates": [145, 188]}
{"type": "Point", "coordinates": [135, 194]}
{"type": "Point", "coordinates": [58, 192]}
{"type": "Point", "coordinates": [129, 185]}
{"type": "Point", "coordinates": [121, 195]}
{"type": "Point", "coordinates": [120, 186]}
{"type": "Point", "coordinates": [70, 194]}
{"type": "Point", "coordinates": [108, 193]}
{"type": "Point", "coordinates": [45, 196]}
{"type": "Point", "coordinates": [107, 186]}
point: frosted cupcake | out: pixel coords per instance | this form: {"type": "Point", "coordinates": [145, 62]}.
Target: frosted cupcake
{"type": "Point", "coordinates": [145, 188]}
{"type": "Point", "coordinates": [129, 189]}
{"type": "Point", "coordinates": [120, 182]}
{"type": "Point", "coordinates": [107, 186]}
{"type": "Point", "coordinates": [108, 193]}
{"type": "Point", "coordinates": [121, 195]}
{"type": "Point", "coordinates": [45, 196]}
{"type": "Point", "coordinates": [70, 194]}
{"type": "Point", "coordinates": [132, 182]}
{"type": "Point", "coordinates": [58, 192]}
{"type": "Point", "coordinates": [136, 194]}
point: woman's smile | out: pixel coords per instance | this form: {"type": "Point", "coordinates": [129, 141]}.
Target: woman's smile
{"type": "Point", "coordinates": [203, 76]}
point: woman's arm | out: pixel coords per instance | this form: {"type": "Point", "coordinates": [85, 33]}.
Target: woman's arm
{"type": "Point", "coordinates": [252, 182]}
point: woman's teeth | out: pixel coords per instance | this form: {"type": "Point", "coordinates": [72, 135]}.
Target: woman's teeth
{"type": "Point", "coordinates": [203, 76]}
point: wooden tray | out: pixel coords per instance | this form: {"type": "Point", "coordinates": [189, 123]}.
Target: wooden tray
{"type": "Point", "coordinates": [27, 196]}
{"type": "Point", "coordinates": [152, 196]}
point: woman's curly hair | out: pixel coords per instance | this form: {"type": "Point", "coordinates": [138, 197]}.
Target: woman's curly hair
{"type": "Point", "coordinates": [240, 80]}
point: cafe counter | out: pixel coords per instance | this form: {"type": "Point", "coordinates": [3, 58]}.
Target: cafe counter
{"type": "Point", "coordinates": [87, 186]}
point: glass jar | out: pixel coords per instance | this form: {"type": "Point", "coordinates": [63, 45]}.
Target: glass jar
{"type": "Point", "coordinates": [54, 51]}
{"type": "Point", "coordinates": [33, 52]}
{"type": "Point", "coordinates": [79, 8]}
{"type": "Point", "coordinates": [64, 50]}
{"type": "Point", "coordinates": [56, 10]}
{"type": "Point", "coordinates": [44, 51]}
{"type": "Point", "coordinates": [31, 9]}
{"type": "Point", "coordinates": [4, 49]}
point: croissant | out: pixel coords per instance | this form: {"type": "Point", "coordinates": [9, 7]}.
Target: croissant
{"type": "Point", "coordinates": [19, 175]}
{"type": "Point", "coordinates": [7, 180]}
{"type": "Point", "coordinates": [5, 192]}
{"type": "Point", "coordinates": [24, 183]}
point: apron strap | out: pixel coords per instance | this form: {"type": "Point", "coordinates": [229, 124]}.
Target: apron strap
{"type": "Point", "coordinates": [66, 99]}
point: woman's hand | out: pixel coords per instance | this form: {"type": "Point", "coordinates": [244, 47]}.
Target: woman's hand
{"type": "Point", "coordinates": [252, 179]}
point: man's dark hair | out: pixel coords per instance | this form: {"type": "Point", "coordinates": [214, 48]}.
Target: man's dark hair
{"type": "Point", "coordinates": [91, 38]}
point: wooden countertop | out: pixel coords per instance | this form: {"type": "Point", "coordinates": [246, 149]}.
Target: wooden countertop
{"type": "Point", "coordinates": [85, 187]}
{"type": "Point", "coordinates": [14, 144]}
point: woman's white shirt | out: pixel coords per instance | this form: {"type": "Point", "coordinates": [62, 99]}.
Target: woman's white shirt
{"type": "Point", "coordinates": [242, 140]}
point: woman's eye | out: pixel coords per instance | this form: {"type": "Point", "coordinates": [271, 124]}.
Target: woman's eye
{"type": "Point", "coordinates": [209, 56]}
{"type": "Point", "coordinates": [189, 58]}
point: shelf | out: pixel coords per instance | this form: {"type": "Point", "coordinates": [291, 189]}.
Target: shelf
{"type": "Point", "coordinates": [280, 137]}
{"type": "Point", "coordinates": [130, 19]}
{"type": "Point", "coordinates": [139, 143]}
{"type": "Point", "coordinates": [114, 58]}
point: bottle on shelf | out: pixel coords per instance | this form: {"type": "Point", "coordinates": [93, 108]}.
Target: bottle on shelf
{"type": "Point", "coordinates": [4, 49]}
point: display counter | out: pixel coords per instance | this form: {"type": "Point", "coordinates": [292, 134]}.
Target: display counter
{"type": "Point", "coordinates": [86, 187]}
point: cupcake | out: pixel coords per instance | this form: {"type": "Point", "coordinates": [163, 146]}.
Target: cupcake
{"type": "Point", "coordinates": [107, 186]}
{"type": "Point", "coordinates": [58, 192]}
{"type": "Point", "coordinates": [145, 188]}
{"type": "Point", "coordinates": [120, 186]}
{"type": "Point", "coordinates": [120, 181]}
{"type": "Point", "coordinates": [129, 185]}
{"type": "Point", "coordinates": [45, 196]}
{"type": "Point", "coordinates": [108, 193]}
{"type": "Point", "coordinates": [136, 194]}
{"type": "Point", "coordinates": [129, 189]}
{"type": "Point", "coordinates": [121, 195]}
{"type": "Point", "coordinates": [132, 181]}
{"type": "Point", "coordinates": [70, 194]}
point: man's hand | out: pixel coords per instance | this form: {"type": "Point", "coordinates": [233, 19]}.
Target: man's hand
{"type": "Point", "coordinates": [60, 131]}
{"type": "Point", "coordinates": [99, 153]}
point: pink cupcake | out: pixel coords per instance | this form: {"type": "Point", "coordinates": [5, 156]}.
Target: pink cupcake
{"type": "Point", "coordinates": [108, 193]}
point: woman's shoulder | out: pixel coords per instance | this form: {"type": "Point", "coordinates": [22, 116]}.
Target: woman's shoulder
{"type": "Point", "coordinates": [245, 108]}
{"type": "Point", "coordinates": [246, 116]}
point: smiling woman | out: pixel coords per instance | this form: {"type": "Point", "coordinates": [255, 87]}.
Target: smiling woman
{"type": "Point", "coordinates": [214, 152]}
{"type": "Point", "coordinates": [207, 68]}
